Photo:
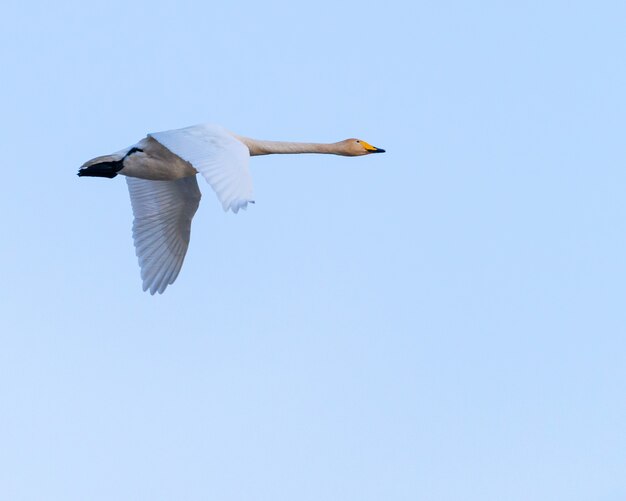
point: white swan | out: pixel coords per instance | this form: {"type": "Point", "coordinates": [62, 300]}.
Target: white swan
{"type": "Point", "coordinates": [161, 175]}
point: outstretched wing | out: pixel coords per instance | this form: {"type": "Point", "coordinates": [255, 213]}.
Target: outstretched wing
{"type": "Point", "coordinates": [163, 212]}
{"type": "Point", "coordinates": [218, 156]}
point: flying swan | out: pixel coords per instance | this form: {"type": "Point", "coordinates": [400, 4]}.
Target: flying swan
{"type": "Point", "coordinates": [161, 174]}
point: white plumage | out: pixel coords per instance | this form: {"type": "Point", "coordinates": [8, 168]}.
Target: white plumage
{"type": "Point", "coordinates": [164, 193]}
{"type": "Point", "coordinates": [163, 212]}
{"type": "Point", "coordinates": [218, 156]}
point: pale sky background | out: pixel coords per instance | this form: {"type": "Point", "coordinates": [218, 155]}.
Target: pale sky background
{"type": "Point", "coordinates": [445, 321]}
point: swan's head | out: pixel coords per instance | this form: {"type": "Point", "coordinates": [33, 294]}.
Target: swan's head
{"type": "Point", "coordinates": [356, 147]}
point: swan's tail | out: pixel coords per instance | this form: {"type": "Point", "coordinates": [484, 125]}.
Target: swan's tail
{"type": "Point", "coordinates": [106, 166]}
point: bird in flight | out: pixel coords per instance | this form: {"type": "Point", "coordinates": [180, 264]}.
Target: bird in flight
{"type": "Point", "coordinates": [161, 173]}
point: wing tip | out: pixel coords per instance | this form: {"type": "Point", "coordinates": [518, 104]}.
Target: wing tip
{"type": "Point", "coordinates": [236, 205]}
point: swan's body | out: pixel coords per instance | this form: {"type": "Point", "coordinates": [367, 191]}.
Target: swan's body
{"type": "Point", "coordinates": [161, 175]}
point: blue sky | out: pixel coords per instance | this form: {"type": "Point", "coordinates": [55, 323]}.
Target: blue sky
{"type": "Point", "coordinates": [444, 321]}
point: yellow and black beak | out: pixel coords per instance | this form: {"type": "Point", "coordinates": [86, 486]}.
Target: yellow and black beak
{"type": "Point", "coordinates": [372, 149]}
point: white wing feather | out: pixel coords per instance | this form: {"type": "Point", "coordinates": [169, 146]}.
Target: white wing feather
{"type": "Point", "coordinates": [218, 156]}
{"type": "Point", "coordinates": [163, 212]}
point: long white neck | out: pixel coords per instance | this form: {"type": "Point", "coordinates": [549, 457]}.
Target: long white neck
{"type": "Point", "coordinates": [258, 147]}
